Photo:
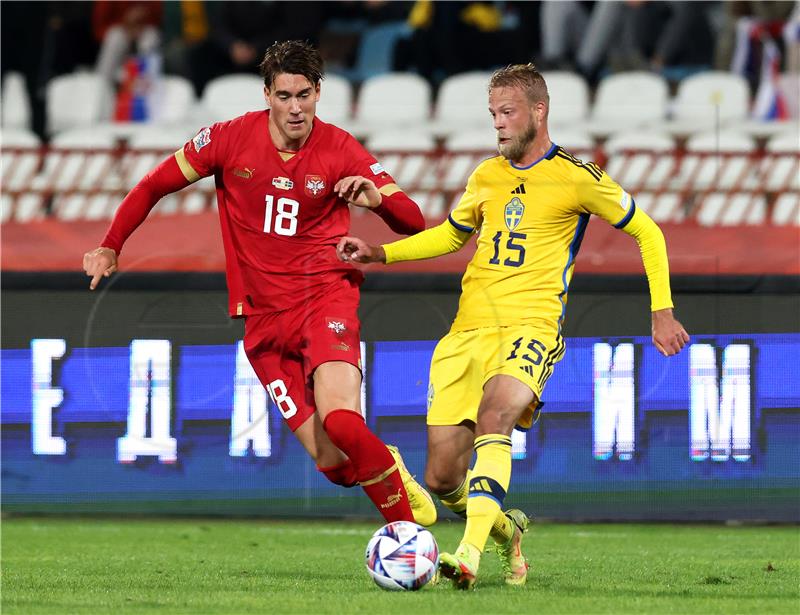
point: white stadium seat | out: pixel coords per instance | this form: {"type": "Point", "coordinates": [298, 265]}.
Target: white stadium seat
{"type": "Point", "coordinates": [404, 155]}
{"type": "Point", "coordinates": [574, 141]}
{"type": "Point", "coordinates": [16, 106]}
{"type": "Point", "coordinates": [708, 100]}
{"type": "Point", "coordinates": [335, 104]}
{"type": "Point", "coordinates": [739, 208]}
{"type": "Point", "coordinates": [650, 169]}
{"type": "Point", "coordinates": [18, 170]}
{"type": "Point", "coordinates": [663, 207]}
{"type": "Point", "coordinates": [393, 100]}
{"type": "Point", "coordinates": [627, 101]}
{"type": "Point", "coordinates": [786, 209]}
{"type": "Point", "coordinates": [462, 103]}
{"type": "Point", "coordinates": [173, 101]}
{"type": "Point", "coordinates": [230, 96]}
{"type": "Point", "coordinates": [569, 98]}
{"type": "Point", "coordinates": [725, 162]}
{"type": "Point", "coordinates": [77, 100]}
{"type": "Point", "coordinates": [780, 170]}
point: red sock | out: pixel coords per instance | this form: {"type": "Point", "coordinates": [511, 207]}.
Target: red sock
{"type": "Point", "coordinates": [372, 461]}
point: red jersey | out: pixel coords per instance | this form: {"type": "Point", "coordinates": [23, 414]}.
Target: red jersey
{"type": "Point", "coordinates": [280, 219]}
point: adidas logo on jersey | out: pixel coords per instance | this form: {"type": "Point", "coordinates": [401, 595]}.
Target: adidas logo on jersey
{"type": "Point", "coordinates": [519, 189]}
{"type": "Point", "coordinates": [527, 369]}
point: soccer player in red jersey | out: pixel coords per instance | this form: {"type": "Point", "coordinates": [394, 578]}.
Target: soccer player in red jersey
{"type": "Point", "coordinates": [284, 179]}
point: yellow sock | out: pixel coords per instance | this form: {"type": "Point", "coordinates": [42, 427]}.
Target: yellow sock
{"type": "Point", "coordinates": [456, 500]}
{"type": "Point", "coordinates": [487, 487]}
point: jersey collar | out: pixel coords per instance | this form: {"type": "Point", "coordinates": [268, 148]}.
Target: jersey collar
{"type": "Point", "coordinates": [548, 154]}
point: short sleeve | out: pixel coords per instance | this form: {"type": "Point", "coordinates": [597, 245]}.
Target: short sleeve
{"type": "Point", "coordinates": [466, 216]}
{"type": "Point", "coordinates": [361, 162]}
{"type": "Point", "coordinates": [202, 152]}
{"type": "Point", "coordinates": [600, 195]}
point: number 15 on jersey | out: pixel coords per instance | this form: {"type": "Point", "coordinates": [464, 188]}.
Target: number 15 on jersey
{"type": "Point", "coordinates": [281, 217]}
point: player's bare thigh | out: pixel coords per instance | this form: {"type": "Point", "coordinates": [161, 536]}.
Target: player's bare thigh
{"type": "Point", "coordinates": [337, 384]}
{"type": "Point", "coordinates": [504, 400]}
{"type": "Point", "coordinates": [449, 455]}
{"type": "Point", "coordinates": [319, 446]}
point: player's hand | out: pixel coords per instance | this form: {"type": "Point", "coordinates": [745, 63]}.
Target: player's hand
{"type": "Point", "coordinates": [669, 336]}
{"type": "Point", "coordinates": [359, 251]}
{"type": "Point", "coordinates": [358, 190]}
{"type": "Point", "coordinates": [99, 263]}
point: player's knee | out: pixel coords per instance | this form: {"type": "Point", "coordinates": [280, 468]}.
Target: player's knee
{"type": "Point", "coordinates": [441, 480]}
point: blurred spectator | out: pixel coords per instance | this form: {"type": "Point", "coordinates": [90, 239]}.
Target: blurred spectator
{"type": "Point", "coordinates": [241, 33]}
{"type": "Point", "coordinates": [186, 31]}
{"type": "Point", "coordinates": [454, 37]}
{"type": "Point", "coordinates": [739, 16]}
{"type": "Point", "coordinates": [121, 27]}
{"type": "Point", "coordinates": [634, 34]}
{"type": "Point", "coordinates": [660, 34]}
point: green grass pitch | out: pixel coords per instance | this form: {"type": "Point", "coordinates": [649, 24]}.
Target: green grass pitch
{"type": "Point", "coordinates": [96, 566]}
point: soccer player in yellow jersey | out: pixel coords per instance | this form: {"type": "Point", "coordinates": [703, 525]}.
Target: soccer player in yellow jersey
{"type": "Point", "coordinates": [530, 206]}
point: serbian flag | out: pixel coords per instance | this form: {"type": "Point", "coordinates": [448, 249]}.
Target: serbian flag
{"type": "Point", "coordinates": [137, 91]}
{"type": "Point", "coordinates": [770, 102]}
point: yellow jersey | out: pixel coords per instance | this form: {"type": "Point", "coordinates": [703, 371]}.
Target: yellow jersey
{"type": "Point", "coordinates": [530, 223]}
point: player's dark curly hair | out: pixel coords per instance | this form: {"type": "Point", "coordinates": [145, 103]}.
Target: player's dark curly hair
{"type": "Point", "coordinates": [524, 76]}
{"type": "Point", "coordinates": [294, 58]}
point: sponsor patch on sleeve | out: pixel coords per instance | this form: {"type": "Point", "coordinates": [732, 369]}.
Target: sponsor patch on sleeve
{"type": "Point", "coordinates": [202, 139]}
{"type": "Point", "coordinates": [625, 201]}
{"type": "Point", "coordinates": [376, 168]}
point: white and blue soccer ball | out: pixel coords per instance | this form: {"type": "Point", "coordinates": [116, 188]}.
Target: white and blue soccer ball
{"type": "Point", "coordinates": [402, 556]}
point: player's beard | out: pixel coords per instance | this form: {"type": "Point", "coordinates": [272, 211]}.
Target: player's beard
{"type": "Point", "coordinates": [515, 149]}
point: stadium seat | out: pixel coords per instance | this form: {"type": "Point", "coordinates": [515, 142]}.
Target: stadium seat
{"type": "Point", "coordinates": [649, 169]}
{"type": "Point", "coordinates": [335, 101]}
{"type": "Point", "coordinates": [719, 161]}
{"type": "Point", "coordinates": [574, 141]}
{"type": "Point", "coordinates": [725, 209]}
{"type": "Point", "coordinates": [148, 147]}
{"type": "Point", "coordinates": [786, 209]}
{"type": "Point", "coordinates": [462, 103]}
{"type": "Point", "coordinates": [780, 168]}
{"type": "Point", "coordinates": [466, 151]}
{"type": "Point", "coordinates": [708, 100]}
{"type": "Point", "coordinates": [404, 156]}
{"type": "Point", "coordinates": [394, 100]}
{"type": "Point", "coordinates": [174, 101]}
{"type": "Point", "coordinates": [627, 101]}
{"type": "Point", "coordinates": [569, 98]}
{"type": "Point", "coordinates": [18, 170]}
{"type": "Point", "coordinates": [77, 100]}
{"type": "Point", "coordinates": [16, 106]}
{"type": "Point", "coordinates": [230, 96]}
{"type": "Point", "coordinates": [663, 207]}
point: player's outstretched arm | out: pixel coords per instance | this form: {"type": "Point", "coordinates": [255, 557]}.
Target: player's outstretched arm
{"type": "Point", "coordinates": [99, 263]}
{"type": "Point", "coordinates": [359, 251]}
{"type": "Point", "coordinates": [166, 178]}
{"type": "Point", "coordinates": [669, 336]}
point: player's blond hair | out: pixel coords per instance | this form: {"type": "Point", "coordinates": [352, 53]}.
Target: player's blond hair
{"type": "Point", "coordinates": [523, 76]}
{"type": "Point", "coordinates": [292, 57]}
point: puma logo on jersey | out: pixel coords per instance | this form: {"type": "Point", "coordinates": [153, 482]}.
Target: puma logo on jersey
{"type": "Point", "coordinates": [246, 172]}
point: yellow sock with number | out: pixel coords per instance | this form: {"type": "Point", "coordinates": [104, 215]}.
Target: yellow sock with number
{"type": "Point", "coordinates": [487, 487]}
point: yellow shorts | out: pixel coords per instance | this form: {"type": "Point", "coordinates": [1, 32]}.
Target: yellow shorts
{"type": "Point", "coordinates": [465, 360]}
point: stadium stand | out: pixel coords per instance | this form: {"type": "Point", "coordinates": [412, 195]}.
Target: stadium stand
{"type": "Point", "coordinates": [692, 162]}
{"type": "Point", "coordinates": [16, 104]}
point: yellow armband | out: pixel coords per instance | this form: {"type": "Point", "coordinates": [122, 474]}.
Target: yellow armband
{"type": "Point", "coordinates": [654, 256]}
{"type": "Point", "coordinates": [436, 241]}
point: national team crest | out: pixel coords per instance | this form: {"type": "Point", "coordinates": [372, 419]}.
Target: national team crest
{"type": "Point", "coordinates": [315, 185]}
{"type": "Point", "coordinates": [338, 326]}
{"type": "Point", "coordinates": [514, 211]}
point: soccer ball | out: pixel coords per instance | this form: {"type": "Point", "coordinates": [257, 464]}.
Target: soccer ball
{"type": "Point", "coordinates": [402, 556]}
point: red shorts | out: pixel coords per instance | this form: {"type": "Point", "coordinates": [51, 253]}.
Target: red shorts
{"type": "Point", "coordinates": [286, 347]}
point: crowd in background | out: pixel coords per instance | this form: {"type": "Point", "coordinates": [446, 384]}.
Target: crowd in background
{"type": "Point", "coordinates": [202, 40]}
